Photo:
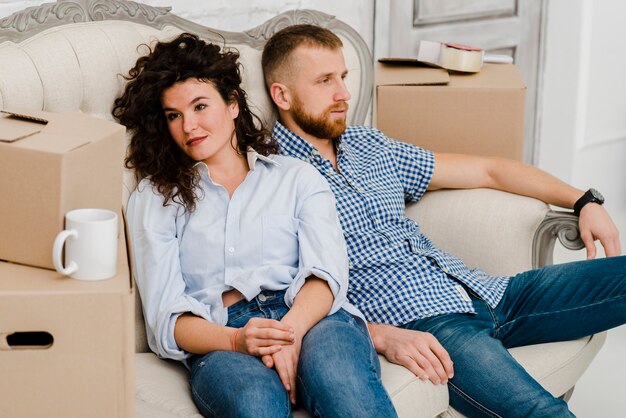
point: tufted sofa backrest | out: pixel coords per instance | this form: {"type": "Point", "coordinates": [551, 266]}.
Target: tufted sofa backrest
{"type": "Point", "coordinates": [70, 55]}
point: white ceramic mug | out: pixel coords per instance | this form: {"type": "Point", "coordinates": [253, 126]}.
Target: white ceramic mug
{"type": "Point", "coordinates": [90, 241]}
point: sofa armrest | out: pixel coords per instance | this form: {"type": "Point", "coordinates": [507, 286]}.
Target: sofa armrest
{"type": "Point", "coordinates": [557, 224]}
{"type": "Point", "coordinates": [502, 233]}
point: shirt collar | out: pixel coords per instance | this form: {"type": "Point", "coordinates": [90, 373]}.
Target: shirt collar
{"type": "Point", "coordinates": [251, 156]}
{"type": "Point", "coordinates": [292, 144]}
{"type": "Point", "coordinates": [296, 146]}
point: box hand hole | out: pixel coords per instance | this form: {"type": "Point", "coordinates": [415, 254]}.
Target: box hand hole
{"type": "Point", "coordinates": [27, 340]}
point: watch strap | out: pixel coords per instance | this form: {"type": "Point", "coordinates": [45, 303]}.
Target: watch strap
{"type": "Point", "coordinates": [588, 197]}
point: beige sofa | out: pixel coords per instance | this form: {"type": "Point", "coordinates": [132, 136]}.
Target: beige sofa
{"type": "Point", "coordinates": [67, 56]}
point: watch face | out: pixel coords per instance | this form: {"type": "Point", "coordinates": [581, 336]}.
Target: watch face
{"type": "Point", "coordinates": [597, 195]}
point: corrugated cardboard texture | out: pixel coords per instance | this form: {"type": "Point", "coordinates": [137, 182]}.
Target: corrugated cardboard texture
{"type": "Point", "coordinates": [480, 114]}
{"type": "Point", "coordinates": [402, 73]}
{"type": "Point", "coordinates": [14, 129]}
{"type": "Point", "coordinates": [88, 371]}
{"type": "Point", "coordinates": [75, 161]}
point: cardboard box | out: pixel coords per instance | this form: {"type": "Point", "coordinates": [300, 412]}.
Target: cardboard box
{"type": "Point", "coordinates": [51, 163]}
{"type": "Point", "coordinates": [480, 114]}
{"type": "Point", "coordinates": [66, 345]}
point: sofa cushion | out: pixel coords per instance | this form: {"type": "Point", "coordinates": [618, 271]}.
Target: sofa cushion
{"type": "Point", "coordinates": [558, 366]}
{"type": "Point", "coordinates": [162, 390]}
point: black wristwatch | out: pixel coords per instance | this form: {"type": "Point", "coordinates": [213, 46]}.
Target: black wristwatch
{"type": "Point", "coordinates": [590, 196]}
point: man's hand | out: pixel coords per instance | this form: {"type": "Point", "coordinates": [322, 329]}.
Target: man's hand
{"type": "Point", "coordinates": [596, 224]}
{"type": "Point", "coordinates": [420, 352]}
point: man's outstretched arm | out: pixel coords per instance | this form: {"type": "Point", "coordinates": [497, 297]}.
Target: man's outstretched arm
{"type": "Point", "coordinates": [458, 171]}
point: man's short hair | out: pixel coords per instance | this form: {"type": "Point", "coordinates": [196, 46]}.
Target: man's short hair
{"type": "Point", "coordinates": [280, 47]}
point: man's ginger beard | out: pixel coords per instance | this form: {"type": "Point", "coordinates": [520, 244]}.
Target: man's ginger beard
{"type": "Point", "coordinates": [323, 126]}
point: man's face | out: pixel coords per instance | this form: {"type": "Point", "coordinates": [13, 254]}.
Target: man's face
{"type": "Point", "coordinates": [319, 95]}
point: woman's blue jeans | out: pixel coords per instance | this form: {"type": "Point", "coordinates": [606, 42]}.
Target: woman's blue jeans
{"type": "Point", "coordinates": [556, 303]}
{"type": "Point", "coordinates": [338, 371]}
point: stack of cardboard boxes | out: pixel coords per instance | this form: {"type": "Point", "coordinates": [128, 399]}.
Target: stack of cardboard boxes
{"type": "Point", "coordinates": [66, 345]}
{"type": "Point", "coordinates": [480, 113]}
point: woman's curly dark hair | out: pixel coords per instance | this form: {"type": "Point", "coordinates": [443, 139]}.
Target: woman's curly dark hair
{"type": "Point", "coordinates": [152, 151]}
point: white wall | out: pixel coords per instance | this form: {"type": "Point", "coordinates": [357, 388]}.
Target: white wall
{"type": "Point", "coordinates": [582, 132]}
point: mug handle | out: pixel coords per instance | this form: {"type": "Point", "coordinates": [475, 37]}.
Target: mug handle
{"type": "Point", "coordinates": [57, 249]}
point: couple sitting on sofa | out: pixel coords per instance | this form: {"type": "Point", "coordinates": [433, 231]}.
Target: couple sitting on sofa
{"type": "Point", "coordinates": [241, 260]}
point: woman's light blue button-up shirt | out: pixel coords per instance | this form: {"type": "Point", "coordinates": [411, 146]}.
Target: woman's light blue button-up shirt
{"type": "Point", "coordinates": [279, 227]}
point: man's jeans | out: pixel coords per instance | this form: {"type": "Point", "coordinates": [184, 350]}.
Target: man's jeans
{"type": "Point", "coordinates": [556, 303]}
{"type": "Point", "coordinates": [338, 371]}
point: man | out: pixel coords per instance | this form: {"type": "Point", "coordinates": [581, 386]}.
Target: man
{"type": "Point", "coordinates": [418, 299]}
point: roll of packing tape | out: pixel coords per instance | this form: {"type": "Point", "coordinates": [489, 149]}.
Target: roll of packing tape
{"type": "Point", "coordinates": [461, 58]}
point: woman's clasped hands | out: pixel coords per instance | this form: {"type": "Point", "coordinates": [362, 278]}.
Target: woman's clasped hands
{"type": "Point", "coordinates": [277, 345]}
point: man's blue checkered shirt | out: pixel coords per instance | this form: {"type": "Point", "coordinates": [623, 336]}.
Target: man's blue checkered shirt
{"type": "Point", "coordinates": [396, 273]}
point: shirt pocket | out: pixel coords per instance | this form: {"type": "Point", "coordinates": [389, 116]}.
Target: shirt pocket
{"type": "Point", "coordinates": [280, 240]}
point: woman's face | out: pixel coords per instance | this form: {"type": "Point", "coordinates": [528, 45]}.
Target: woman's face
{"type": "Point", "coordinates": [199, 120]}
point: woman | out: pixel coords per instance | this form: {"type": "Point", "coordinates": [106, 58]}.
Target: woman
{"type": "Point", "coordinates": [239, 258]}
